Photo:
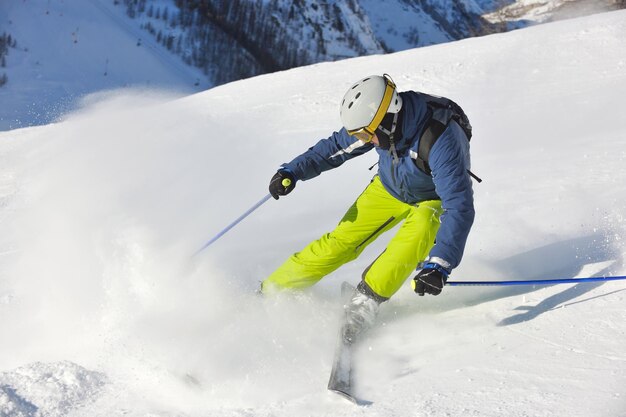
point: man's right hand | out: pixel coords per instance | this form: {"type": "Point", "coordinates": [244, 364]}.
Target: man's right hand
{"type": "Point", "coordinates": [282, 183]}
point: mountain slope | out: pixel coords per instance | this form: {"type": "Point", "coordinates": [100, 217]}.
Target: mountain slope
{"type": "Point", "coordinates": [104, 314]}
{"type": "Point", "coordinates": [236, 39]}
{"type": "Point", "coordinates": [68, 49]}
{"type": "Point", "coordinates": [537, 11]}
{"type": "Point", "coordinates": [64, 50]}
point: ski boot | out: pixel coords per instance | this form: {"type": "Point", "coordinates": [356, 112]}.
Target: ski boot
{"type": "Point", "coordinates": [361, 314]}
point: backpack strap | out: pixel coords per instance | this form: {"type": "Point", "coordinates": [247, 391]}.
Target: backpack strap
{"type": "Point", "coordinates": [434, 129]}
{"type": "Point", "coordinates": [427, 141]}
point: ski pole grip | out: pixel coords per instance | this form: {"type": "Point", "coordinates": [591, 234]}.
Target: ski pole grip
{"type": "Point", "coordinates": [286, 182]}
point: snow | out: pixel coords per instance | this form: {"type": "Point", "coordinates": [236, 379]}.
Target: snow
{"type": "Point", "coordinates": [101, 44]}
{"type": "Point", "coordinates": [50, 389]}
{"type": "Point", "coordinates": [529, 10]}
{"type": "Point", "coordinates": [538, 11]}
{"type": "Point", "coordinates": [104, 312]}
{"type": "Point", "coordinates": [402, 25]}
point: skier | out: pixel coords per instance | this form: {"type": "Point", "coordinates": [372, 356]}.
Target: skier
{"type": "Point", "coordinates": [434, 203]}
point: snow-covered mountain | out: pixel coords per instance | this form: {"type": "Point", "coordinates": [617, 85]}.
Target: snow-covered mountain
{"type": "Point", "coordinates": [103, 313]}
{"type": "Point", "coordinates": [234, 39]}
{"type": "Point", "coordinates": [64, 50]}
{"type": "Point", "coordinates": [53, 52]}
{"type": "Point", "coordinates": [524, 12]}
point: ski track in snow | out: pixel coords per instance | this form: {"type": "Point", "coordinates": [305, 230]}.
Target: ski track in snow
{"type": "Point", "coordinates": [570, 348]}
{"type": "Point", "coordinates": [104, 313]}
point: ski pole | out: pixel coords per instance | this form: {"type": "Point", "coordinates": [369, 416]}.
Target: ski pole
{"type": "Point", "coordinates": [233, 224]}
{"type": "Point", "coordinates": [531, 282]}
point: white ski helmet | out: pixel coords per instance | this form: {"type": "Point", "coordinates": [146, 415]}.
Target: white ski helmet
{"type": "Point", "coordinates": [365, 104]}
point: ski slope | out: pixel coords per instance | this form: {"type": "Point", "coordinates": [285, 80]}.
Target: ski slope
{"type": "Point", "coordinates": [104, 313]}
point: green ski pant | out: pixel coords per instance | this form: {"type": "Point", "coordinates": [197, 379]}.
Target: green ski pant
{"type": "Point", "coordinates": [373, 213]}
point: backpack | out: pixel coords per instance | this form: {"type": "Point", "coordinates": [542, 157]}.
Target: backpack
{"type": "Point", "coordinates": [443, 110]}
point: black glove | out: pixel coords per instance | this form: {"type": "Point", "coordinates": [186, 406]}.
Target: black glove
{"type": "Point", "coordinates": [430, 279]}
{"type": "Point", "coordinates": [282, 183]}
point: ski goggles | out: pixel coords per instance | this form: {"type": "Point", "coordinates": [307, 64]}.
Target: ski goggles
{"type": "Point", "coordinates": [363, 134]}
{"type": "Point", "coordinates": [366, 133]}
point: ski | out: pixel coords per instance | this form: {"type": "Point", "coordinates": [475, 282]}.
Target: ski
{"type": "Point", "coordinates": [341, 380]}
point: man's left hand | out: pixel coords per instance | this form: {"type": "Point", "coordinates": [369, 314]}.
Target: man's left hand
{"type": "Point", "coordinates": [430, 279]}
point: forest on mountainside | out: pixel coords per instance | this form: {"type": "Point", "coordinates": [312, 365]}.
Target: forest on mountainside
{"type": "Point", "coordinates": [234, 39]}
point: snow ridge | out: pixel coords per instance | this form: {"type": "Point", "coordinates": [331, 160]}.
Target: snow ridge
{"type": "Point", "coordinates": [48, 389]}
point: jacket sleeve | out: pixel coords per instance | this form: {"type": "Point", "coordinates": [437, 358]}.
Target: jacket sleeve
{"type": "Point", "coordinates": [449, 161]}
{"type": "Point", "coordinates": [326, 154]}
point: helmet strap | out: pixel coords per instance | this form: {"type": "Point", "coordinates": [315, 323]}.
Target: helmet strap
{"type": "Point", "coordinates": [391, 145]}
{"type": "Point", "coordinates": [392, 148]}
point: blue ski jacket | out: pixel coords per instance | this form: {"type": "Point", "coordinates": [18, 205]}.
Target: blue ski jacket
{"type": "Point", "coordinates": [449, 181]}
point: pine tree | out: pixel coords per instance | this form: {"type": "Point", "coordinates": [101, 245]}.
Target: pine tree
{"type": "Point", "coordinates": [179, 45]}
{"type": "Point", "coordinates": [130, 11]}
